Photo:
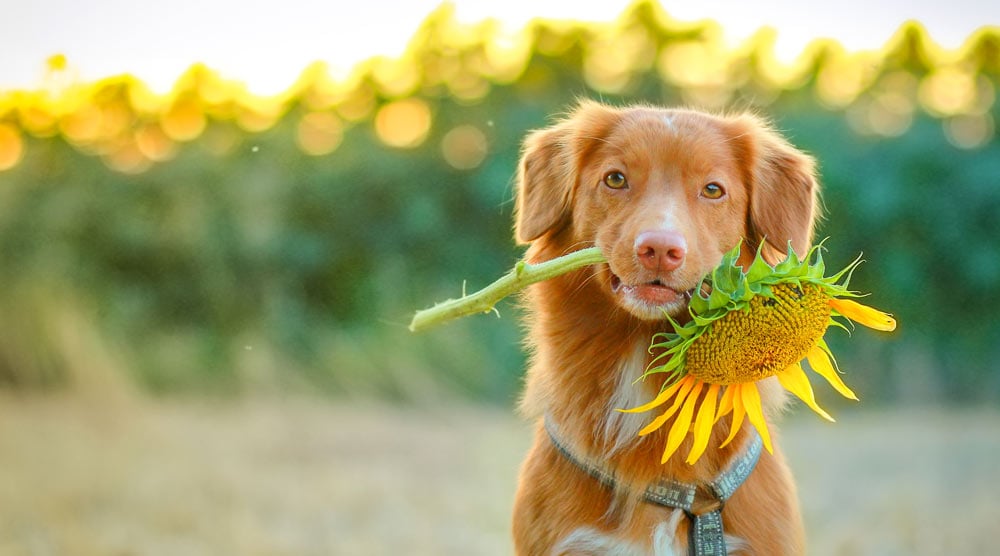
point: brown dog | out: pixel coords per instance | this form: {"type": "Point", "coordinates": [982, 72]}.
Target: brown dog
{"type": "Point", "coordinates": [664, 194]}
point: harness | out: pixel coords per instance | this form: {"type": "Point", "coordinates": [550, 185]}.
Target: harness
{"type": "Point", "coordinates": [701, 502]}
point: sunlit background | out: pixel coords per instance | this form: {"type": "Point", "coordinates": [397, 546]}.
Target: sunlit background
{"type": "Point", "coordinates": [217, 218]}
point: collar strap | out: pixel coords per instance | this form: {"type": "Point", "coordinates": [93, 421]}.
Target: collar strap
{"type": "Point", "coordinates": [702, 502]}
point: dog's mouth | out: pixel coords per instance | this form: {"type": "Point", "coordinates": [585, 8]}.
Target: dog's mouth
{"type": "Point", "coordinates": [652, 299]}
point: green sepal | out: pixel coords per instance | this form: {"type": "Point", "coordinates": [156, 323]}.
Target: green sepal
{"type": "Point", "coordinates": [790, 263]}
{"type": "Point", "coordinates": [718, 298]}
{"type": "Point", "coordinates": [759, 269]}
{"type": "Point", "coordinates": [698, 303]}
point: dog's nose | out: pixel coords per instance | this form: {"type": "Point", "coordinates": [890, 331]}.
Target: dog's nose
{"type": "Point", "coordinates": [661, 250]}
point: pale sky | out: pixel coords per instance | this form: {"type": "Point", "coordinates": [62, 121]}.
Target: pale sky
{"type": "Point", "coordinates": [267, 44]}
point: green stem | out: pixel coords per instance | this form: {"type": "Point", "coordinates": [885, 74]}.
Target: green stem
{"type": "Point", "coordinates": [521, 276]}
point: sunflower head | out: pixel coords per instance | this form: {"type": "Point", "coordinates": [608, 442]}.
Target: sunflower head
{"type": "Point", "coordinates": [748, 325]}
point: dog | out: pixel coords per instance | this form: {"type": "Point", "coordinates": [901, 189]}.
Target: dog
{"type": "Point", "coordinates": [664, 193]}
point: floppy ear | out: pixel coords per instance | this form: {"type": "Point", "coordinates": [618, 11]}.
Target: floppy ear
{"type": "Point", "coordinates": [550, 168]}
{"type": "Point", "coordinates": [783, 189]}
{"type": "Point", "coordinates": [544, 184]}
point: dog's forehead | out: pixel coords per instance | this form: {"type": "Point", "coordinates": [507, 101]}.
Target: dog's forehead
{"type": "Point", "coordinates": [678, 124]}
{"type": "Point", "coordinates": [669, 132]}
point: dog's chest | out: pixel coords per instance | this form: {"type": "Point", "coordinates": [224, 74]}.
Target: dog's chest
{"type": "Point", "coordinates": [621, 429]}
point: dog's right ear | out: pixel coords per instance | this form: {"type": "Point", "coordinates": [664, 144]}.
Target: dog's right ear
{"type": "Point", "coordinates": [550, 167]}
{"type": "Point", "coordinates": [544, 184]}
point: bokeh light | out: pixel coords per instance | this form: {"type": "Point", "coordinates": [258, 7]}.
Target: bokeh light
{"type": "Point", "coordinates": [403, 123]}
{"type": "Point", "coordinates": [319, 133]}
{"type": "Point", "coordinates": [970, 131]}
{"type": "Point", "coordinates": [464, 147]}
{"type": "Point", "coordinates": [184, 120]}
{"type": "Point", "coordinates": [154, 144]}
{"type": "Point", "coordinates": [948, 91]}
{"type": "Point", "coordinates": [11, 146]}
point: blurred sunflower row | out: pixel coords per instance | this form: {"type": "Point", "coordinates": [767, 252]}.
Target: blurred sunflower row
{"type": "Point", "coordinates": [643, 52]}
{"type": "Point", "coordinates": [209, 239]}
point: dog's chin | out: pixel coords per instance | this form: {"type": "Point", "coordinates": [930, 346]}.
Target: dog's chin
{"type": "Point", "coordinates": [650, 301]}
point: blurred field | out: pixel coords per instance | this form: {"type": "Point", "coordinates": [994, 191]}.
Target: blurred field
{"type": "Point", "coordinates": [308, 477]}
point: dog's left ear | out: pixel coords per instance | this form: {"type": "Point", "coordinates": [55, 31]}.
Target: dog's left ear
{"type": "Point", "coordinates": [783, 188]}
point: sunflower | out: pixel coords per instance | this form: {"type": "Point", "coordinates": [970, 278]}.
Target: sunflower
{"type": "Point", "coordinates": [751, 325]}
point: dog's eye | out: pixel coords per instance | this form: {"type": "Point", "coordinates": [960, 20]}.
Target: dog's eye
{"type": "Point", "coordinates": [713, 191]}
{"type": "Point", "coordinates": [615, 180]}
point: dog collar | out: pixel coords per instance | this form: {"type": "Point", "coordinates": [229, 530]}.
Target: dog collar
{"type": "Point", "coordinates": [702, 502]}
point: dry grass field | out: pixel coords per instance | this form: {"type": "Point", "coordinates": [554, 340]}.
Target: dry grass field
{"type": "Point", "coordinates": [295, 477]}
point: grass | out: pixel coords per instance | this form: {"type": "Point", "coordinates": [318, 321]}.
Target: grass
{"type": "Point", "coordinates": [82, 476]}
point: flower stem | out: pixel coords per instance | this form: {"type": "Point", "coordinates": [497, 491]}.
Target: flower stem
{"type": "Point", "coordinates": [521, 276]}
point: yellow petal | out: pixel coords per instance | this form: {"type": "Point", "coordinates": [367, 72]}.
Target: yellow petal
{"type": "Point", "coordinates": [703, 424]}
{"type": "Point", "coordinates": [661, 398]}
{"type": "Point", "coordinates": [726, 403]}
{"type": "Point", "coordinates": [821, 365]}
{"type": "Point", "coordinates": [685, 386]}
{"type": "Point", "coordinates": [682, 424]}
{"type": "Point", "coordinates": [863, 314]}
{"type": "Point", "coordinates": [794, 380]}
{"type": "Point", "coordinates": [755, 412]}
{"type": "Point", "coordinates": [738, 412]}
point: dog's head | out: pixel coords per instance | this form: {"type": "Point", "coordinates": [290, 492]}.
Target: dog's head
{"type": "Point", "coordinates": [664, 194]}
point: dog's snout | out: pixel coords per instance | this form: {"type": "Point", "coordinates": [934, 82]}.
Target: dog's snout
{"type": "Point", "coordinates": [661, 250]}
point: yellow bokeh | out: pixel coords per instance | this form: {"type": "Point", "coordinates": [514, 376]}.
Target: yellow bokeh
{"type": "Point", "coordinates": [694, 64]}
{"type": "Point", "coordinates": [358, 104]}
{"type": "Point", "coordinates": [83, 126]}
{"type": "Point", "coordinates": [843, 77]}
{"type": "Point", "coordinates": [257, 114]}
{"type": "Point", "coordinates": [396, 78]}
{"type": "Point", "coordinates": [56, 62]}
{"type": "Point", "coordinates": [506, 56]}
{"type": "Point", "coordinates": [319, 133]}
{"type": "Point", "coordinates": [184, 120]}
{"type": "Point", "coordinates": [464, 147]}
{"type": "Point", "coordinates": [616, 56]}
{"type": "Point", "coordinates": [154, 144]}
{"type": "Point", "coordinates": [11, 147]}
{"type": "Point", "coordinates": [948, 91]}
{"type": "Point", "coordinates": [403, 123]}
{"type": "Point", "coordinates": [144, 100]}
{"type": "Point", "coordinates": [123, 155]}
{"type": "Point", "coordinates": [889, 108]}
{"type": "Point", "coordinates": [970, 131]}
{"type": "Point", "coordinates": [37, 119]}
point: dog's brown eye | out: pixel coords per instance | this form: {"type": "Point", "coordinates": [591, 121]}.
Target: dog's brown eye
{"type": "Point", "coordinates": [615, 180]}
{"type": "Point", "coordinates": [713, 191]}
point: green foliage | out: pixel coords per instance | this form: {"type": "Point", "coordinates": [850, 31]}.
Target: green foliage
{"type": "Point", "coordinates": [258, 266]}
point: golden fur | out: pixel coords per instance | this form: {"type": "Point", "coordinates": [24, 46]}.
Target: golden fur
{"type": "Point", "coordinates": [588, 329]}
